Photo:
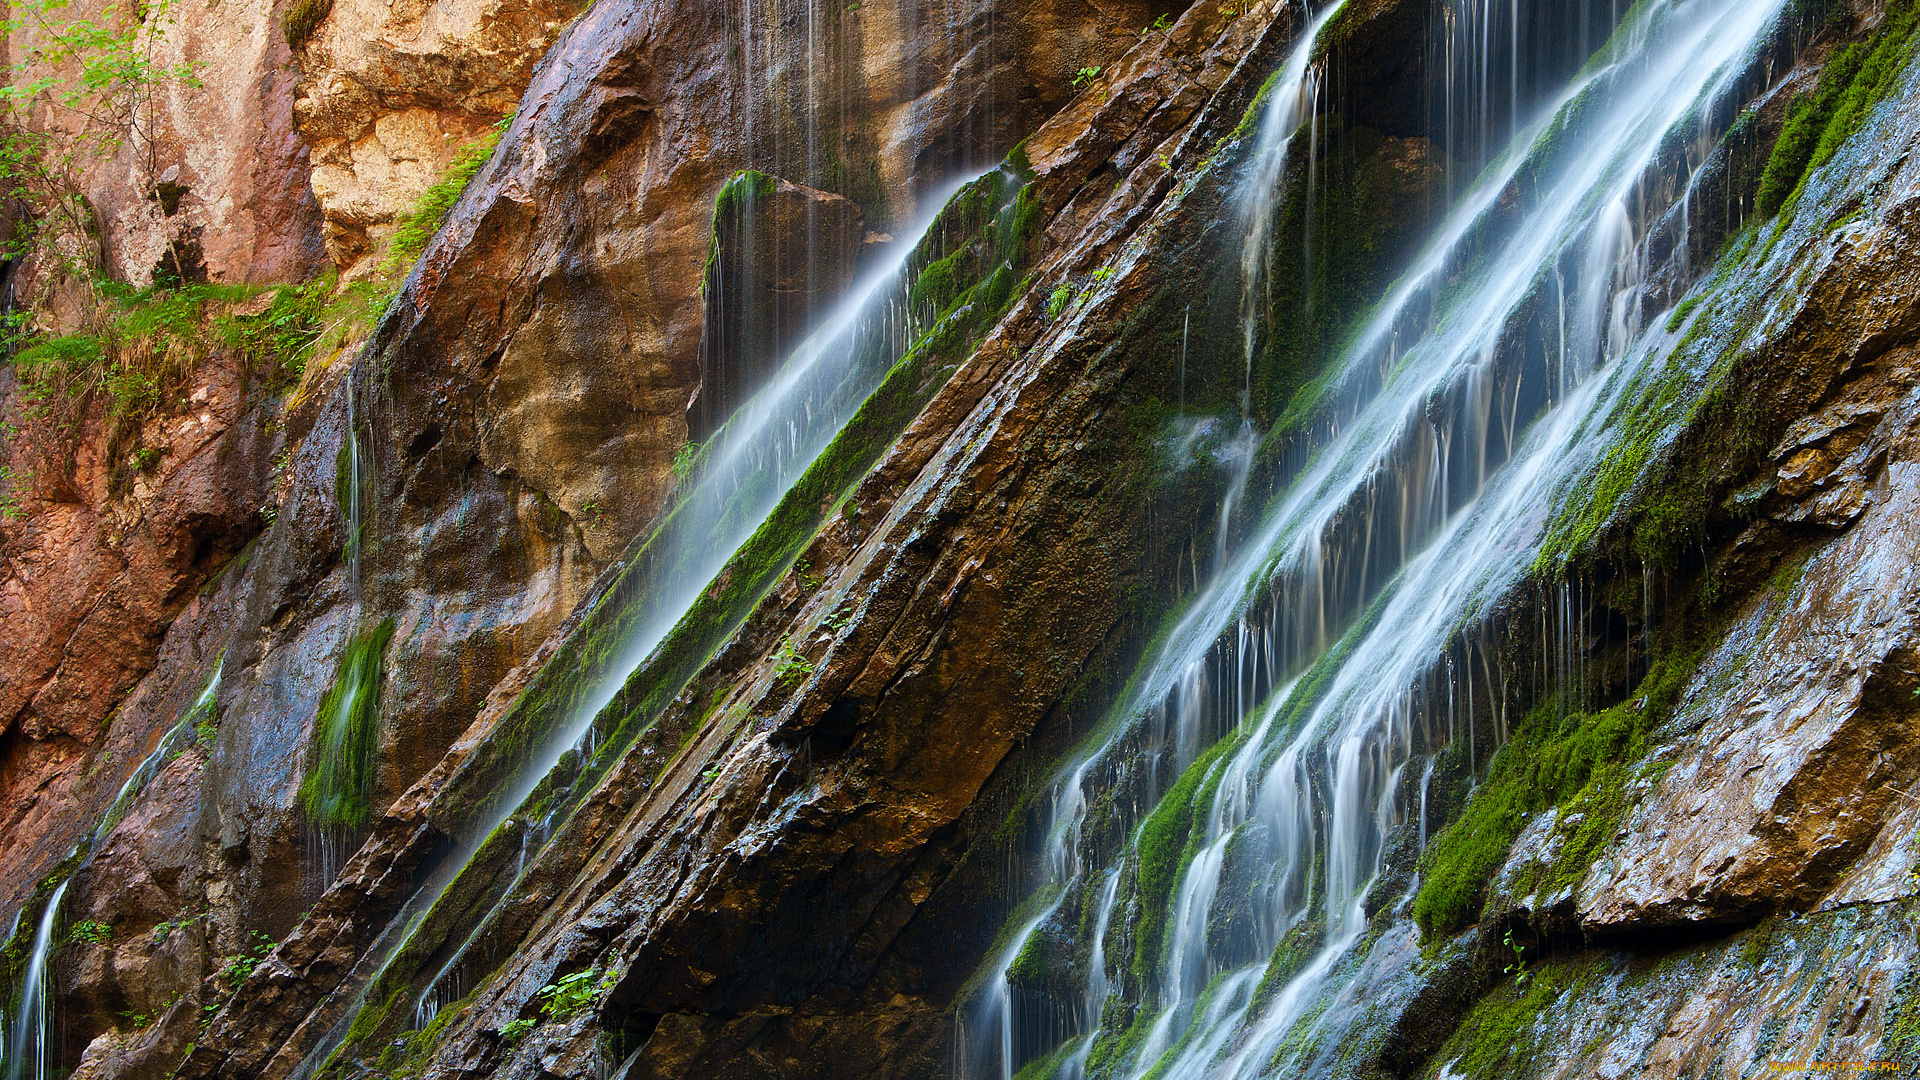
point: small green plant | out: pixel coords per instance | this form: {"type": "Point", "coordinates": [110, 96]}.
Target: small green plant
{"type": "Point", "coordinates": [242, 965]}
{"type": "Point", "coordinates": [89, 931]}
{"type": "Point", "coordinates": [1160, 25]}
{"type": "Point", "coordinates": [595, 514]}
{"type": "Point", "coordinates": [1517, 969]}
{"type": "Point", "coordinates": [10, 485]}
{"type": "Point", "coordinates": [840, 619]}
{"type": "Point", "coordinates": [1058, 300]}
{"type": "Point", "coordinates": [802, 573]}
{"type": "Point", "coordinates": [1085, 77]}
{"type": "Point", "coordinates": [515, 1030]}
{"type": "Point", "coordinates": [144, 459]}
{"type": "Point", "coordinates": [683, 460]}
{"type": "Point", "coordinates": [163, 931]}
{"type": "Point", "coordinates": [1104, 274]}
{"type": "Point", "coordinates": [572, 994]}
{"type": "Point", "coordinates": [790, 667]}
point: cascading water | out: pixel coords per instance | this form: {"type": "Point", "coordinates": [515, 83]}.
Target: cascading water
{"type": "Point", "coordinates": [24, 1050]}
{"type": "Point", "coordinates": [26, 1041]}
{"type": "Point", "coordinates": [745, 469]}
{"type": "Point", "coordinates": [737, 481]}
{"type": "Point", "coordinates": [337, 790]}
{"type": "Point", "coordinates": [989, 1026]}
{"type": "Point", "coordinates": [1415, 501]}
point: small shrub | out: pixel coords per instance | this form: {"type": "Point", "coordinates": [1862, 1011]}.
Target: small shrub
{"type": "Point", "coordinates": [515, 1030]}
{"type": "Point", "coordinates": [683, 460]}
{"type": "Point", "coordinates": [89, 931]}
{"type": "Point", "coordinates": [243, 964]}
{"type": "Point", "coordinates": [790, 666]}
{"type": "Point", "coordinates": [572, 994]}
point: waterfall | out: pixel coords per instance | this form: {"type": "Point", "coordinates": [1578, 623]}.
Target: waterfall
{"type": "Point", "coordinates": [26, 1041]}
{"type": "Point", "coordinates": [337, 791]}
{"type": "Point", "coordinates": [1413, 499]}
{"type": "Point", "coordinates": [741, 474]}
{"type": "Point", "coordinates": [23, 1040]}
{"type": "Point", "coordinates": [731, 489]}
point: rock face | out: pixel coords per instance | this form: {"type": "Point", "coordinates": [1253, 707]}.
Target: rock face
{"type": "Point", "coordinates": [389, 95]}
{"type": "Point", "coordinates": [95, 577]}
{"type": "Point", "coordinates": [203, 176]}
{"type": "Point", "coordinates": [795, 827]}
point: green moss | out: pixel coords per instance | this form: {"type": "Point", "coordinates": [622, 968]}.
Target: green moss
{"type": "Point", "coordinates": [1162, 843]}
{"type": "Point", "coordinates": [1296, 948]}
{"type": "Point", "coordinates": [1903, 1020]}
{"type": "Point", "coordinates": [338, 788]}
{"type": "Point", "coordinates": [302, 18]}
{"type": "Point", "coordinates": [1112, 1050]}
{"type": "Point", "coordinates": [1579, 763]}
{"type": "Point", "coordinates": [416, 228]}
{"type": "Point", "coordinates": [408, 1055]}
{"type": "Point", "coordinates": [1502, 1034]}
{"type": "Point", "coordinates": [742, 191]}
{"type": "Point", "coordinates": [1047, 1065]}
{"type": "Point", "coordinates": [1683, 312]}
{"type": "Point", "coordinates": [1854, 80]}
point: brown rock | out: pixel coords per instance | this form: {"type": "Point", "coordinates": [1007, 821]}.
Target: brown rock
{"type": "Point", "coordinates": [1790, 774]}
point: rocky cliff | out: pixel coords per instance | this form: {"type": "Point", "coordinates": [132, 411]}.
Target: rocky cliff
{"type": "Point", "coordinates": [676, 538]}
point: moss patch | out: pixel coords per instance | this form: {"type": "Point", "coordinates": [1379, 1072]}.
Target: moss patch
{"type": "Point", "coordinates": [1579, 763]}
{"type": "Point", "coordinates": [1162, 847]}
{"type": "Point", "coordinates": [1854, 80]}
{"type": "Point", "coordinates": [339, 786]}
{"type": "Point", "coordinates": [1502, 1035]}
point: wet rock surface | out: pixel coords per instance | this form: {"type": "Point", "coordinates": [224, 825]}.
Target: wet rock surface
{"type": "Point", "coordinates": [797, 867]}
